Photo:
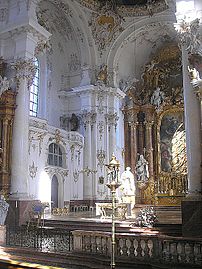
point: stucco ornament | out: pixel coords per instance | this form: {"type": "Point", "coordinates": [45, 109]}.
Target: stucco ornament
{"type": "Point", "coordinates": [33, 170]}
{"type": "Point", "coordinates": [139, 8]}
{"type": "Point", "coordinates": [189, 35]}
{"type": "Point", "coordinates": [25, 69]}
{"type": "Point", "coordinates": [105, 26]}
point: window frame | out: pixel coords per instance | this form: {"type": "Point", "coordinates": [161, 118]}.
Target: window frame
{"type": "Point", "coordinates": [55, 155]}
{"type": "Point", "coordinates": [34, 91]}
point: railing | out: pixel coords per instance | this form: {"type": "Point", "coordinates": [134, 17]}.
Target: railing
{"type": "Point", "coordinates": [43, 239]}
{"type": "Point", "coordinates": [141, 248]}
{"type": "Point", "coordinates": [130, 247]}
{"type": "Point", "coordinates": [181, 251]}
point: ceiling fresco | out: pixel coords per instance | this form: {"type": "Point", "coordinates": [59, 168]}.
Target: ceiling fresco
{"type": "Point", "coordinates": [128, 7]}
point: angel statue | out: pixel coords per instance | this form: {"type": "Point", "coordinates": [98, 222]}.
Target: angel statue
{"type": "Point", "coordinates": [157, 97]}
{"type": "Point", "coordinates": [126, 84]}
{"type": "Point", "coordinates": [141, 169]}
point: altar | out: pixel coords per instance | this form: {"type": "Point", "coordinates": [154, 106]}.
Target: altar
{"type": "Point", "coordinates": [122, 210]}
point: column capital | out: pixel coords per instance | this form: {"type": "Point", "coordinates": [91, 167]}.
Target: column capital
{"type": "Point", "coordinates": [25, 69]}
{"type": "Point", "coordinates": [111, 118]}
{"type": "Point", "coordinates": [88, 117]}
{"type": "Point", "coordinates": [149, 124]}
{"type": "Point", "coordinates": [189, 35]}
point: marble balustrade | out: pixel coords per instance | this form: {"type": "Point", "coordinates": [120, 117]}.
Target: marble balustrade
{"type": "Point", "coordinates": [144, 248]}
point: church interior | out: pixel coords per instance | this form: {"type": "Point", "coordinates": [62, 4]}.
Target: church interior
{"type": "Point", "coordinates": [101, 134]}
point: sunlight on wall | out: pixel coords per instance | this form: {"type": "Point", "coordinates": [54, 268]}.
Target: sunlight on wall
{"type": "Point", "coordinates": [185, 8]}
{"type": "Point", "coordinates": [44, 187]}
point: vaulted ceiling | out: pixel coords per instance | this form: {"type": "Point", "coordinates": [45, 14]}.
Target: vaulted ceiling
{"type": "Point", "coordinates": [85, 36]}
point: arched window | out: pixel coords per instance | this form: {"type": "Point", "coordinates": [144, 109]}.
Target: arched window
{"type": "Point", "coordinates": [34, 92]}
{"type": "Point", "coordinates": [55, 155]}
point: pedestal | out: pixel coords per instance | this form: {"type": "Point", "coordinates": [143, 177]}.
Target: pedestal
{"type": "Point", "coordinates": [192, 218]}
{"type": "Point", "coordinates": [2, 235]}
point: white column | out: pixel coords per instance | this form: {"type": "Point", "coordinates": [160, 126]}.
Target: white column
{"type": "Point", "coordinates": [193, 135]}
{"type": "Point", "coordinates": [94, 157]}
{"type": "Point", "coordinates": [25, 44]}
{"type": "Point", "coordinates": [111, 122]}
{"type": "Point", "coordinates": [87, 188]}
{"type": "Point", "coordinates": [19, 174]}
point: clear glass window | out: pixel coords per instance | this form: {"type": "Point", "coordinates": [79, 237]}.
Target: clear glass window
{"type": "Point", "coordinates": [55, 155]}
{"type": "Point", "coordinates": [34, 92]}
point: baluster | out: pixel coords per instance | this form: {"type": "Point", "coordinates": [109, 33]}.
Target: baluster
{"type": "Point", "coordinates": [150, 248]}
{"type": "Point", "coordinates": [187, 252]}
{"type": "Point", "coordinates": [179, 251]}
{"type": "Point", "coordinates": [128, 245]}
{"type": "Point", "coordinates": [135, 244]}
{"type": "Point", "coordinates": [121, 244]}
{"type": "Point", "coordinates": [124, 248]}
{"type": "Point", "coordinates": [98, 244]}
{"type": "Point", "coordinates": [93, 244]}
{"type": "Point", "coordinates": [173, 251]}
{"type": "Point", "coordinates": [143, 245]}
{"type": "Point", "coordinates": [103, 245]}
{"type": "Point", "coordinates": [197, 254]}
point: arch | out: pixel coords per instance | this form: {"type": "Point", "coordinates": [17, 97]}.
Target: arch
{"type": "Point", "coordinates": [132, 37]}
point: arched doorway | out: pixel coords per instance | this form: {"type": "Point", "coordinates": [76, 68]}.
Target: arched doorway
{"type": "Point", "coordinates": [54, 191]}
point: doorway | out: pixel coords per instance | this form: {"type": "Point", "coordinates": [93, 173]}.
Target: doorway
{"type": "Point", "coordinates": [54, 192]}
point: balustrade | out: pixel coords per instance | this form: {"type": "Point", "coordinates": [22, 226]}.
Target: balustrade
{"type": "Point", "coordinates": [141, 248]}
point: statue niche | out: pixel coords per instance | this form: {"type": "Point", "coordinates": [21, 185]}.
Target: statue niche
{"type": "Point", "coordinates": [154, 128]}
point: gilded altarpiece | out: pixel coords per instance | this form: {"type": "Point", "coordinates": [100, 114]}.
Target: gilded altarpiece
{"type": "Point", "coordinates": [7, 110]}
{"type": "Point", "coordinates": [154, 128]}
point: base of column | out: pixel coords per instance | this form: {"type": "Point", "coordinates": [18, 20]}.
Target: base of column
{"type": "Point", "coordinates": [192, 217]}
{"type": "Point", "coordinates": [2, 235]}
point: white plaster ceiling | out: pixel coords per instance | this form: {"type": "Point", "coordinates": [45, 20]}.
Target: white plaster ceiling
{"type": "Point", "coordinates": [128, 52]}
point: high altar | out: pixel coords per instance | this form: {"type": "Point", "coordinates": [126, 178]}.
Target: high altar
{"type": "Point", "coordinates": [154, 128]}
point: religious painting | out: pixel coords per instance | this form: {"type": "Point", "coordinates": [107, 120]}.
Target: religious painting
{"type": "Point", "coordinates": [172, 143]}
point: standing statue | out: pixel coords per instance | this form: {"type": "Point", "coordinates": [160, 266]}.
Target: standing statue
{"type": "Point", "coordinates": [128, 183]}
{"type": "Point", "coordinates": [4, 84]}
{"type": "Point", "coordinates": [128, 188]}
{"type": "Point", "coordinates": [142, 170]}
{"type": "Point", "coordinates": [74, 121]}
{"type": "Point", "coordinates": [157, 97]}
{"type": "Point", "coordinates": [3, 209]}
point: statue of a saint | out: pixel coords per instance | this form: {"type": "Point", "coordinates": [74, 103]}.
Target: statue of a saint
{"type": "Point", "coordinates": [74, 121]}
{"type": "Point", "coordinates": [128, 189]}
{"type": "Point", "coordinates": [157, 97]}
{"type": "Point", "coordinates": [128, 183]}
{"type": "Point", "coordinates": [142, 171]}
{"type": "Point", "coordinates": [3, 209]}
{"type": "Point", "coordinates": [4, 84]}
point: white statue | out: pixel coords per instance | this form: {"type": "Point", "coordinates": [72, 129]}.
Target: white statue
{"type": "Point", "coordinates": [4, 84]}
{"type": "Point", "coordinates": [3, 209]}
{"type": "Point", "coordinates": [128, 183]}
{"type": "Point", "coordinates": [142, 171]}
{"type": "Point", "coordinates": [157, 97]}
{"type": "Point", "coordinates": [128, 189]}
{"type": "Point", "coordinates": [128, 83]}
